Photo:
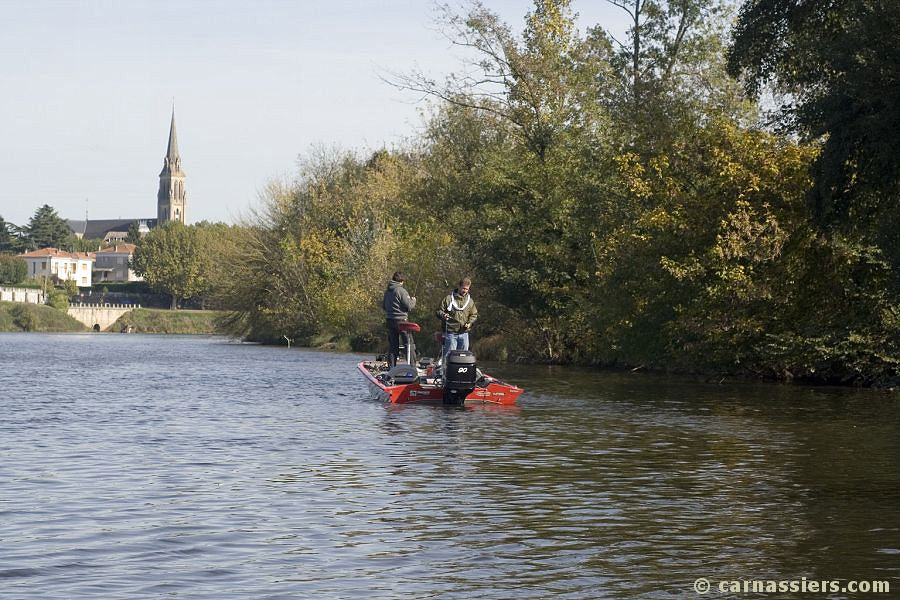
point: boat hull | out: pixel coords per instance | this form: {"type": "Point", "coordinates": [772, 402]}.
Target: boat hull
{"type": "Point", "coordinates": [495, 392]}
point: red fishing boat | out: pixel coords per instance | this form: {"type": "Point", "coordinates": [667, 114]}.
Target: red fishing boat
{"type": "Point", "coordinates": [457, 382]}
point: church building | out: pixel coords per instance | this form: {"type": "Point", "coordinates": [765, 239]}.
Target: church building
{"type": "Point", "coordinates": [170, 202]}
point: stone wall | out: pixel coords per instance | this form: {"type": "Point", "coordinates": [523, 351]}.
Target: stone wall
{"type": "Point", "coordinates": [99, 317]}
{"type": "Point", "coordinates": [26, 295]}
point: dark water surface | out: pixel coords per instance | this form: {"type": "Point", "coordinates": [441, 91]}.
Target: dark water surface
{"type": "Point", "coordinates": [162, 466]}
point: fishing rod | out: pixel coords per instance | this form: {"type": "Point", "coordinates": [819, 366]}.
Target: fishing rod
{"type": "Point", "coordinates": [416, 288]}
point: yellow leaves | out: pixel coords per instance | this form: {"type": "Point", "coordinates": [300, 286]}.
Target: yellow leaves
{"type": "Point", "coordinates": [551, 20]}
{"type": "Point", "coordinates": [660, 165]}
{"type": "Point", "coordinates": [658, 218]}
{"type": "Point", "coordinates": [890, 317]}
{"type": "Point", "coordinates": [750, 234]}
{"type": "Point", "coordinates": [749, 164]}
{"type": "Point", "coordinates": [317, 246]}
{"type": "Point", "coordinates": [633, 173]}
{"type": "Point", "coordinates": [733, 273]}
{"type": "Point", "coordinates": [685, 270]}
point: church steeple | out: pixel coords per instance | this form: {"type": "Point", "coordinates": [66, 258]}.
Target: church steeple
{"type": "Point", "coordinates": [171, 197]}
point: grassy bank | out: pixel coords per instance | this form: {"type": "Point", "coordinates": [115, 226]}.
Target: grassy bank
{"type": "Point", "coordinates": [15, 316]}
{"type": "Point", "coordinates": [151, 320]}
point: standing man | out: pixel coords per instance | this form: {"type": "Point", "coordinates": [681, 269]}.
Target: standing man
{"type": "Point", "coordinates": [459, 312]}
{"type": "Point", "coordinates": [396, 304]}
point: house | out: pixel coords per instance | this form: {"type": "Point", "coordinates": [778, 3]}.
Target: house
{"type": "Point", "coordinates": [112, 237]}
{"type": "Point", "coordinates": [50, 262]}
{"type": "Point", "coordinates": [112, 264]}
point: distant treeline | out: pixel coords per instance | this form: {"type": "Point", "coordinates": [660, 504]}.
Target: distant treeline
{"type": "Point", "coordinates": [616, 202]}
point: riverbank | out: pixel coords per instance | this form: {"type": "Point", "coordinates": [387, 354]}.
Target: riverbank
{"type": "Point", "coordinates": [498, 348]}
{"type": "Point", "coordinates": [17, 316]}
{"type": "Point", "coordinates": [152, 320]}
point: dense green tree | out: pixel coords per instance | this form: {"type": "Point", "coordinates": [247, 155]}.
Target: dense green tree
{"type": "Point", "coordinates": [134, 234]}
{"type": "Point", "coordinates": [74, 243]}
{"type": "Point", "coordinates": [504, 149]}
{"type": "Point", "coordinates": [527, 83]}
{"type": "Point", "coordinates": [669, 74]}
{"type": "Point", "coordinates": [173, 260]}
{"type": "Point", "coordinates": [46, 229]}
{"type": "Point", "coordinates": [836, 66]}
{"type": "Point", "coordinates": [10, 240]}
{"type": "Point", "coordinates": [12, 269]}
{"type": "Point", "coordinates": [525, 155]}
{"type": "Point", "coordinates": [838, 63]}
{"type": "Point", "coordinates": [611, 200]}
{"type": "Point", "coordinates": [312, 261]}
{"type": "Point", "coordinates": [218, 241]}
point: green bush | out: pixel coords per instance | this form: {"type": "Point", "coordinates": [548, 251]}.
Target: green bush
{"type": "Point", "coordinates": [58, 299]}
{"type": "Point", "coordinates": [12, 269]}
{"type": "Point", "coordinates": [22, 317]}
{"type": "Point", "coordinates": [71, 288]}
{"type": "Point", "coordinates": [35, 284]}
{"type": "Point", "coordinates": [130, 287]}
{"type": "Point", "coordinates": [146, 320]}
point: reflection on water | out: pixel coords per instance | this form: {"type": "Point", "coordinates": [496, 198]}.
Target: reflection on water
{"type": "Point", "coordinates": [142, 466]}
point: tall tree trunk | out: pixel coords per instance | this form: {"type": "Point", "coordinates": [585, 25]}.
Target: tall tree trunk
{"type": "Point", "coordinates": [636, 57]}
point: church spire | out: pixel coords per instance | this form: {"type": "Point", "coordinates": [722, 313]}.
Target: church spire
{"type": "Point", "coordinates": [172, 161]}
{"type": "Point", "coordinates": [171, 197]}
{"type": "Point", "coordinates": [173, 139]}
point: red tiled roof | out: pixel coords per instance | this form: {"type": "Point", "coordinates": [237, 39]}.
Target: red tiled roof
{"type": "Point", "coordinates": [56, 252]}
{"type": "Point", "coordinates": [119, 248]}
{"type": "Point", "coordinates": [47, 252]}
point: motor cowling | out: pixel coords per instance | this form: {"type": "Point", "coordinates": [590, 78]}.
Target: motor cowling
{"type": "Point", "coordinates": [459, 376]}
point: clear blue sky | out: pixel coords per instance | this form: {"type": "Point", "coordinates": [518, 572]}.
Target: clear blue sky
{"type": "Point", "coordinates": [88, 89]}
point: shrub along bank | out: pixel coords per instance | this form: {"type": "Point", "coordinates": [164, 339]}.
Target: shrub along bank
{"type": "Point", "coordinates": [149, 320]}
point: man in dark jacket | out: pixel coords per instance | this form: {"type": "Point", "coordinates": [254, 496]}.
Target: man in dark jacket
{"type": "Point", "coordinates": [397, 303]}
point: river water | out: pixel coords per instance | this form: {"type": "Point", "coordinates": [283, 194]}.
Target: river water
{"type": "Point", "coordinates": [139, 466]}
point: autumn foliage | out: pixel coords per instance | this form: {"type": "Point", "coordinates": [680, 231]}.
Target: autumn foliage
{"type": "Point", "coordinates": [617, 204]}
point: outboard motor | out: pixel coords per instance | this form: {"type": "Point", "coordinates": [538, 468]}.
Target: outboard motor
{"type": "Point", "coordinates": [459, 376]}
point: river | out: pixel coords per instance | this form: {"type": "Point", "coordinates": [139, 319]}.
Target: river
{"type": "Point", "coordinates": [137, 466]}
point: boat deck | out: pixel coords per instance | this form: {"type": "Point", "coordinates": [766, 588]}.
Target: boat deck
{"type": "Point", "coordinates": [428, 387]}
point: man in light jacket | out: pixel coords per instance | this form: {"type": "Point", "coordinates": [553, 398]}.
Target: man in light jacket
{"type": "Point", "coordinates": [459, 312]}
